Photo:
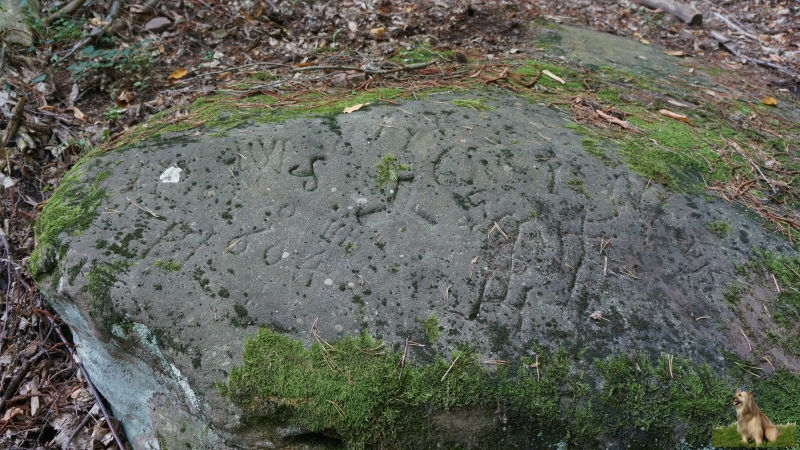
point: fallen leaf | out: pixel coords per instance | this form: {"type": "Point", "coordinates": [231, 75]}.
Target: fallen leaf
{"type": "Point", "coordinates": [769, 101]}
{"type": "Point", "coordinates": [553, 76]}
{"type": "Point", "coordinates": [178, 73]}
{"type": "Point", "coordinates": [675, 53]}
{"type": "Point", "coordinates": [674, 115]}
{"type": "Point", "coordinates": [78, 114]}
{"type": "Point", "coordinates": [125, 98]}
{"type": "Point", "coordinates": [597, 315]}
{"type": "Point", "coordinates": [12, 413]}
{"type": "Point", "coordinates": [353, 108]}
{"type": "Point", "coordinates": [377, 32]}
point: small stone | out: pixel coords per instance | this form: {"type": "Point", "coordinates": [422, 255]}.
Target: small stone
{"type": "Point", "coordinates": [157, 24]}
{"type": "Point", "coordinates": [328, 282]}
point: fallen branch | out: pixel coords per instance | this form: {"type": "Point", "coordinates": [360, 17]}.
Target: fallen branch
{"type": "Point", "coordinates": [685, 13]}
{"type": "Point", "coordinates": [12, 127]}
{"type": "Point", "coordinates": [450, 368]}
{"type": "Point", "coordinates": [68, 9]}
{"type": "Point", "coordinates": [623, 123]}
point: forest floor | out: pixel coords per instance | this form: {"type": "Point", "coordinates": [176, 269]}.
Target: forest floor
{"type": "Point", "coordinates": [93, 72]}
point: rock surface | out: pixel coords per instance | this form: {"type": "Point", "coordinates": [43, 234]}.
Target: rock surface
{"type": "Point", "coordinates": [480, 208]}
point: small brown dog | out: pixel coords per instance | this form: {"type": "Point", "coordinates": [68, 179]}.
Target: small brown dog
{"type": "Point", "coordinates": [751, 423]}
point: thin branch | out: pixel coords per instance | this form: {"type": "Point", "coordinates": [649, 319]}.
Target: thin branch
{"type": "Point", "coordinates": [450, 368]}
{"type": "Point", "coordinates": [68, 9]}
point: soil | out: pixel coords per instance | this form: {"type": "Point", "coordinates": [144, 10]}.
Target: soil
{"type": "Point", "coordinates": [84, 91]}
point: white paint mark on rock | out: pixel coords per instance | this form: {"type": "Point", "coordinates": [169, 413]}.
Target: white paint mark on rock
{"type": "Point", "coordinates": [171, 174]}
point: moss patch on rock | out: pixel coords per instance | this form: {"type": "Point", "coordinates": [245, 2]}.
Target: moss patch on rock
{"type": "Point", "coordinates": [363, 394]}
{"type": "Point", "coordinates": [70, 210]}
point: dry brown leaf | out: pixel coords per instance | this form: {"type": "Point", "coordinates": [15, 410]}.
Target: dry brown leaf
{"type": "Point", "coordinates": [178, 73]}
{"type": "Point", "coordinates": [674, 115]}
{"type": "Point", "coordinates": [125, 98]}
{"type": "Point", "coordinates": [78, 114]}
{"type": "Point", "coordinates": [675, 52]}
{"type": "Point", "coordinates": [377, 32]}
{"type": "Point", "coordinates": [354, 108]}
{"type": "Point", "coordinates": [11, 413]}
{"type": "Point", "coordinates": [769, 101]}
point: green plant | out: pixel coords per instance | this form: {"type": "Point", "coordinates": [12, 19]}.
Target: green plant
{"type": "Point", "coordinates": [387, 170]}
{"type": "Point", "coordinates": [113, 113]}
{"type": "Point", "coordinates": [113, 68]}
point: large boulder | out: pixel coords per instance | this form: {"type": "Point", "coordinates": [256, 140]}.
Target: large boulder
{"type": "Point", "coordinates": [481, 211]}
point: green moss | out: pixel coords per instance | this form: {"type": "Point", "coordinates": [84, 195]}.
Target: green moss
{"type": "Point", "coordinates": [68, 212]}
{"type": "Point", "coordinates": [221, 113]}
{"type": "Point", "coordinates": [169, 265]}
{"type": "Point", "coordinates": [719, 228]}
{"type": "Point", "coordinates": [649, 401]}
{"type": "Point", "coordinates": [734, 292]}
{"type": "Point", "coordinates": [786, 307]}
{"type": "Point", "coordinates": [476, 104]}
{"type": "Point", "coordinates": [101, 278]}
{"type": "Point", "coordinates": [358, 392]}
{"type": "Point", "coordinates": [387, 170]}
{"type": "Point", "coordinates": [430, 327]}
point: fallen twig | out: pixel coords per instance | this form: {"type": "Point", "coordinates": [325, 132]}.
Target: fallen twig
{"type": "Point", "coordinates": [623, 123]}
{"type": "Point", "coordinates": [11, 128]}
{"type": "Point", "coordinates": [450, 368]}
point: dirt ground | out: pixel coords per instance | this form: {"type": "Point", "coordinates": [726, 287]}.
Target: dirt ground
{"type": "Point", "coordinates": [95, 71]}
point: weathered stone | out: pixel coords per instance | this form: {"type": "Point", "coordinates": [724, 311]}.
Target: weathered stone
{"type": "Point", "coordinates": [482, 209]}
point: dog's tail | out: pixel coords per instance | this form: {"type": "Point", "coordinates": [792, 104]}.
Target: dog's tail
{"type": "Point", "coordinates": [771, 432]}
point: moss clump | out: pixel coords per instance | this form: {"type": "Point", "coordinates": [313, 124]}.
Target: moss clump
{"type": "Point", "coordinates": [68, 212]}
{"type": "Point", "coordinates": [169, 265]}
{"type": "Point", "coordinates": [719, 228]}
{"type": "Point", "coordinates": [221, 113]}
{"type": "Point", "coordinates": [358, 392]}
{"type": "Point", "coordinates": [101, 278]}
{"type": "Point", "coordinates": [476, 104]}
{"type": "Point", "coordinates": [649, 402]}
{"type": "Point", "coordinates": [387, 170]}
{"type": "Point", "coordinates": [430, 327]}
{"type": "Point", "coordinates": [785, 308]}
